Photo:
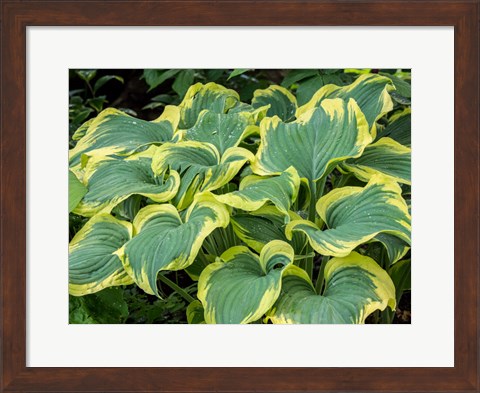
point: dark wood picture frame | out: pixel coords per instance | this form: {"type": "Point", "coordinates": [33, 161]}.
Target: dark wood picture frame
{"type": "Point", "coordinates": [17, 15]}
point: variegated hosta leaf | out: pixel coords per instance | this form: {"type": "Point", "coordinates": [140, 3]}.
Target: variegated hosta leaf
{"type": "Point", "coordinates": [163, 241]}
{"type": "Point", "coordinates": [282, 103]}
{"type": "Point", "coordinates": [396, 248]}
{"type": "Point", "coordinates": [240, 287]}
{"type": "Point", "coordinates": [195, 313]}
{"type": "Point", "coordinates": [255, 191]}
{"type": "Point", "coordinates": [80, 132]}
{"type": "Point", "coordinates": [129, 208]}
{"type": "Point", "coordinates": [197, 266]}
{"type": "Point", "coordinates": [385, 156]}
{"type": "Point", "coordinates": [258, 228]}
{"type": "Point", "coordinates": [370, 91]}
{"type": "Point", "coordinates": [111, 181]}
{"type": "Point", "coordinates": [314, 143]}
{"type": "Point", "coordinates": [200, 166]}
{"type": "Point", "coordinates": [399, 127]}
{"type": "Point", "coordinates": [355, 215]}
{"type": "Point", "coordinates": [386, 249]}
{"type": "Point", "coordinates": [76, 191]}
{"type": "Point", "coordinates": [115, 133]}
{"type": "Point", "coordinates": [257, 113]}
{"type": "Point", "coordinates": [401, 276]}
{"type": "Point", "coordinates": [211, 96]}
{"type": "Point", "coordinates": [408, 200]}
{"type": "Point", "coordinates": [222, 130]}
{"type": "Point", "coordinates": [92, 262]}
{"type": "Point", "coordinates": [355, 286]}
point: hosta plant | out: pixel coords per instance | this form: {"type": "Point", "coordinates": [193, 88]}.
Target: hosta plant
{"type": "Point", "coordinates": [277, 212]}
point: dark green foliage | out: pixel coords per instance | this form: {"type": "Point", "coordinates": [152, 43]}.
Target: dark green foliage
{"type": "Point", "coordinates": [107, 306]}
{"type": "Point", "coordinates": [144, 308]}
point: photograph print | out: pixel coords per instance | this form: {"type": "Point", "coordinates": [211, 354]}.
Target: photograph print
{"type": "Point", "coordinates": [236, 196]}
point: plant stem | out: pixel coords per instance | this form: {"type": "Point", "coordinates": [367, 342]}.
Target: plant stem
{"type": "Point", "coordinates": [320, 187]}
{"type": "Point", "coordinates": [384, 261]}
{"type": "Point", "coordinates": [343, 180]}
{"type": "Point", "coordinates": [301, 264]}
{"type": "Point", "coordinates": [232, 236]}
{"type": "Point", "coordinates": [201, 256]}
{"type": "Point", "coordinates": [311, 217]}
{"type": "Point", "coordinates": [321, 275]}
{"type": "Point", "coordinates": [217, 236]}
{"type": "Point", "coordinates": [90, 88]}
{"type": "Point", "coordinates": [207, 244]}
{"type": "Point", "coordinates": [300, 257]}
{"type": "Point", "coordinates": [387, 316]}
{"type": "Point", "coordinates": [313, 193]}
{"type": "Point", "coordinates": [309, 264]}
{"type": "Point", "coordinates": [176, 288]}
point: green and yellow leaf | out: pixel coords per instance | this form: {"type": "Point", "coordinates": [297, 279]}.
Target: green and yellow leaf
{"type": "Point", "coordinates": [222, 130]}
{"type": "Point", "coordinates": [282, 103]}
{"type": "Point", "coordinates": [216, 98]}
{"type": "Point", "coordinates": [355, 286]}
{"type": "Point", "coordinates": [386, 157]}
{"type": "Point", "coordinates": [260, 227]}
{"type": "Point", "coordinates": [76, 191]}
{"type": "Point", "coordinates": [399, 127]}
{"type": "Point", "coordinates": [114, 132]}
{"type": "Point", "coordinates": [197, 266]}
{"type": "Point", "coordinates": [401, 276]}
{"type": "Point", "coordinates": [80, 132]}
{"type": "Point", "coordinates": [355, 215]}
{"type": "Point", "coordinates": [195, 313]}
{"type": "Point", "coordinates": [163, 241]}
{"type": "Point", "coordinates": [258, 114]}
{"type": "Point", "coordinates": [200, 166]}
{"type": "Point", "coordinates": [256, 191]}
{"type": "Point", "coordinates": [128, 208]}
{"type": "Point", "coordinates": [314, 143]}
{"type": "Point", "coordinates": [396, 248]}
{"type": "Point", "coordinates": [111, 180]}
{"type": "Point", "coordinates": [370, 91]}
{"type": "Point", "coordinates": [241, 286]}
{"type": "Point", "coordinates": [92, 262]}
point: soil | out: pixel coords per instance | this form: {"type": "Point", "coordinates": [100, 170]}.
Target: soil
{"type": "Point", "coordinates": [403, 313]}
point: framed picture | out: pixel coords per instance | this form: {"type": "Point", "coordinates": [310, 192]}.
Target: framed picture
{"type": "Point", "coordinates": [60, 55]}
